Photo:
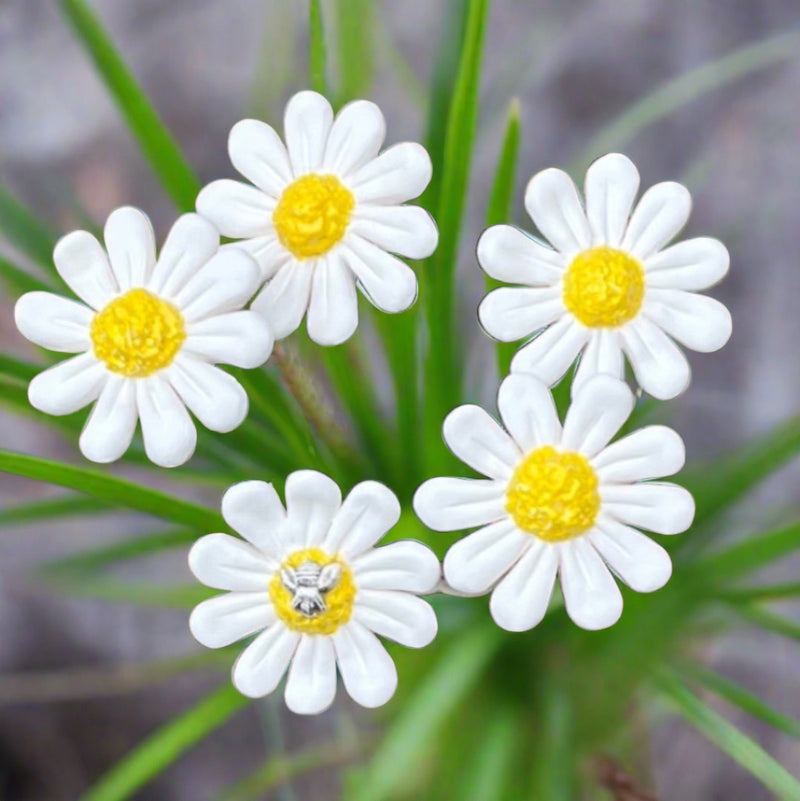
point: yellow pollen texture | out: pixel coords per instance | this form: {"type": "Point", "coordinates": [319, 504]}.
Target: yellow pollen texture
{"type": "Point", "coordinates": [338, 600]}
{"type": "Point", "coordinates": [604, 287]}
{"type": "Point", "coordinates": [553, 494]}
{"type": "Point", "coordinates": [312, 215]}
{"type": "Point", "coordinates": [137, 334]}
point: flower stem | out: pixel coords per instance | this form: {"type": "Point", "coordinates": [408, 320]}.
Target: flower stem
{"type": "Point", "coordinates": [305, 390]}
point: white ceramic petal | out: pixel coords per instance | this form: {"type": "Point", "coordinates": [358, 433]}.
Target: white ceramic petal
{"type": "Point", "coordinates": [240, 338]}
{"type": "Point", "coordinates": [509, 254]}
{"type": "Point", "coordinates": [552, 202]}
{"type": "Point", "coordinates": [658, 217]}
{"type": "Point", "coordinates": [259, 155]}
{"type": "Point", "coordinates": [400, 616]}
{"type": "Point", "coordinates": [520, 600]}
{"type": "Point", "coordinates": [236, 209]}
{"type": "Point", "coordinates": [228, 618]}
{"type": "Point", "coordinates": [224, 284]}
{"type": "Point", "coordinates": [260, 667]}
{"type": "Point", "coordinates": [591, 595]}
{"type": "Point", "coordinates": [169, 433]}
{"type": "Point", "coordinates": [355, 138]}
{"type": "Point", "coordinates": [475, 563]}
{"type": "Point", "coordinates": [601, 356]}
{"type": "Point", "coordinates": [254, 510]}
{"type": "Point", "coordinates": [131, 246]}
{"type": "Point", "coordinates": [551, 353]}
{"type": "Point", "coordinates": [656, 506]}
{"type": "Point", "coordinates": [528, 412]}
{"type": "Point", "coordinates": [83, 264]}
{"type": "Point", "coordinates": [690, 265]}
{"type": "Point", "coordinates": [109, 430]}
{"type": "Point", "coordinates": [190, 243]}
{"type": "Point", "coordinates": [399, 174]}
{"type": "Point", "coordinates": [512, 313]}
{"type": "Point", "coordinates": [306, 125]}
{"type": "Point", "coordinates": [368, 512]}
{"type": "Point", "coordinates": [450, 504]}
{"type": "Point", "coordinates": [641, 563]}
{"type": "Point", "coordinates": [406, 230]}
{"type": "Point", "coordinates": [312, 500]}
{"type": "Point", "coordinates": [696, 321]}
{"type": "Point", "coordinates": [597, 412]}
{"type": "Point", "coordinates": [611, 186]}
{"type": "Point", "coordinates": [213, 396]}
{"type": "Point", "coordinates": [407, 566]}
{"type": "Point", "coordinates": [333, 307]}
{"type": "Point", "coordinates": [228, 563]}
{"type": "Point", "coordinates": [476, 438]}
{"type": "Point", "coordinates": [387, 282]}
{"type": "Point", "coordinates": [269, 253]}
{"type": "Point", "coordinates": [658, 363]}
{"type": "Point", "coordinates": [650, 452]}
{"type": "Point", "coordinates": [368, 672]}
{"type": "Point", "coordinates": [284, 300]}
{"type": "Point", "coordinates": [68, 386]}
{"type": "Point", "coordinates": [54, 322]}
{"type": "Point", "coordinates": [311, 684]}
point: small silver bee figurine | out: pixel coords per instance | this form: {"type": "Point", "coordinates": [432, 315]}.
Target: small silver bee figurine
{"type": "Point", "coordinates": [308, 582]}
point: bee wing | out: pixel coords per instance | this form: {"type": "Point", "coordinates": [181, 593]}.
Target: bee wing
{"type": "Point", "coordinates": [329, 576]}
{"type": "Point", "coordinates": [289, 578]}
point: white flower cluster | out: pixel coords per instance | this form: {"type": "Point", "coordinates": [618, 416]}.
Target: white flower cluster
{"type": "Point", "coordinates": [322, 217]}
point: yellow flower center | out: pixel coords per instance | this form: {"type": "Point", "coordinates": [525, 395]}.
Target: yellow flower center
{"type": "Point", "coordinates": [137, 334]}
{"type": "Point", "coordinates": [313, 214]}
{"type": "Point", "coordinates": [604, 287]}
{"type": "Point", "coordinates": [553, 494]}
{"type": "Point", "coordinates": [313, 592]}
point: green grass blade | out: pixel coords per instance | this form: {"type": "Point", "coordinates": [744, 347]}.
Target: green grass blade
{"type": "Point", "coordinates": [354, 387]}
{"type": "Point", "coordinates": [166, 745]}
{"type": "Point", "coordinates": [738, 746]}
{"type": "Point", "coordinates": [765, 592]}
{"type": "Point", "coordinates": [113, 490]}
{"type": "Point", "coordinates": [19, 281]}
{"type": "Point", "coordinates": [70, 506]}
{"type": "Point", "coordinates": [684, 89]}
{"type": "Point", "coordinates": [399, 334]}
{"type": "Point", "coordinates": [486, 774]}
{"type": "Point", "coordinates": [443, 355]}
{"type": "Point", "coordinates": [156, 142]}
{"type": "Point", "coordinates": [356, 56]}
{"type": "Point", "coordinates": [14, 369]}
{"type": "Point", "coordinates": [737, 695]}
{"type": "Point", "coordinates": [553, 774]}
{"type": "Point", "coordinates": [434, 700]}
{"type": "Point", "coordinates": [769, 621]}
{"type": "Point", "coordinates": [750, 554]}
{"type": "Point", "coordinates": [500, 206]}
{"type": "Point", "coordinates": [442, 87]}
{"type": "Point", "coordinates": [23, 230]}
{"type": "Point", "coordinates": [718, 486]}
{"type": "Point", "coordinates": [316, 48]}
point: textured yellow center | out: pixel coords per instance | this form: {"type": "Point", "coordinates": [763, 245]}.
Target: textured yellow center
{"type": "Point", "coordinates": [137, 334]}
{"type": "Point", "coordinates": [312, 215]}
{"type": "Point", "coordinates": [553, 494]}
{"type": "Point", "coordinates": [336, 600]}
{"type": "Point", "coordinates": [604, 287]}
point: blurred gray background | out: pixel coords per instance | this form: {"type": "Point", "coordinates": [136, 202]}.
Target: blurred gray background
{"type": "Point", "coordinates": [575, 65]}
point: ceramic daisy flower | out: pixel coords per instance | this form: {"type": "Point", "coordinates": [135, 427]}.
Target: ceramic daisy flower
{"type": "Point", "coordinates": [325, 214]}
{"type": "Point", "coordinates": [557, 501]}
{"type": "Point", "coordinates": [608, 286]}
{"type": "Point", "coordinates": [310, 584]}
{"type": "Point", "coordinates": [148, 333]}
